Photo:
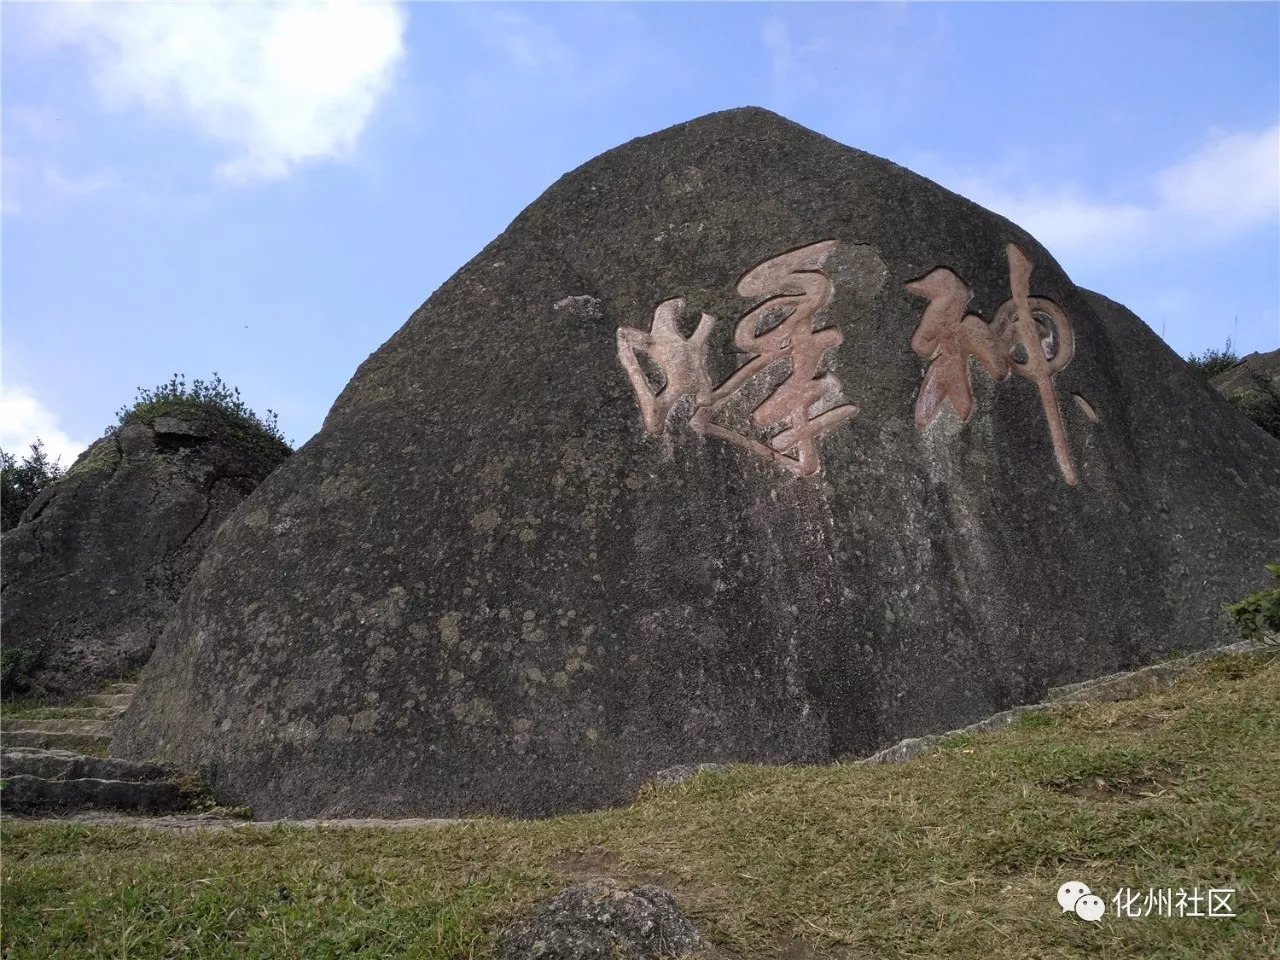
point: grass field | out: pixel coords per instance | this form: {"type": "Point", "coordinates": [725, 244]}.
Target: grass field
{"type": "Point", "coordinates": [958, 854]}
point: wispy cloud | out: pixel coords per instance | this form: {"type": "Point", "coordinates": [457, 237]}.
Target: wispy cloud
{"type": "Point", "coordinates": [525, 42]}
{"type": "Point", "coordinates": [777, 43]}
{"type": "Point", "coordinates": [807, 47]}
{"type": "Point", "coordinates": [547, 53]}
{"type": "Point", "coordinates": [1230, 185]}
{"type": "Point", "coordinates": [278, 84]}
{"type": "Point", "coordinates": [23, 419]}
{"type": "Point", "coordinates": [65, 185]}
{"type": "Point", "coordinates": [36, 123]}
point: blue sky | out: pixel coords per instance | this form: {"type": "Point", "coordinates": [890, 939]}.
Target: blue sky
{"type": "Point", "coordinates": [269, 190]}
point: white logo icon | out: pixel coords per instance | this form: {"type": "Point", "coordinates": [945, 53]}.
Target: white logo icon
{"type": "Point", "coordinates": [1069, 893]}
{"type": "Point", "coordinates": [1090, 908]}
{"type": "Point", "coordinates": [1075, 896]}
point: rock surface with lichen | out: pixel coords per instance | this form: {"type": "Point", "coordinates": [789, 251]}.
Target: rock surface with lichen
{"type": "Point", "coordinates": [490, 585]}
{"type": "Point", "coordinates": [93, 569]}
{"type": "Point", "coordinates": [1240, 379]}
{"type": "Point", "coordinates": [602, 920]}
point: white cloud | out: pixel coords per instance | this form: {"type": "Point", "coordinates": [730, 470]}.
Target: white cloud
{"type": "Point", "coordinates": [1228, 186]}
{"type": "Point", "coordinates": [1065, 221]}
{"type": "Point", "coordinates": [23, 418]}
{"type": "Point", "coordinates": [278, 83]}
{"type": "Point", "coordinates": [1233, 183]}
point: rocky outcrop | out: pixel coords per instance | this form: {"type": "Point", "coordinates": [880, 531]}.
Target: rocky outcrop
{"type": "Point", "coordinates": [1253, 387]}
{"type": "Point", "coordinates": [93, 569]}
{"type": "Point", "coordinates": [737, 445]}
{"type": "Point", "coordinates": [1240, 378]}
{"type": "Point", "coordinates": [602, 920]}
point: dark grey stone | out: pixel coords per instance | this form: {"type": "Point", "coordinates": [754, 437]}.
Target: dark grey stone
{"type": "Point", "coordinates": [483, 587]}
{"type": "Point", "coordinates": [600, 920]}
{"type": "Point", "coordinates": [94, 568]}
{"type": "Point", "coordinates": [25, 795]}
{"type": "Point", "coordinates": [66, 765]}
{"type": "Point", "coordinates": [56, 740]}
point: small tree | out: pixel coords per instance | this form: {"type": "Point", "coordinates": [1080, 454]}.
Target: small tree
{"type": "Point", "coordinates": [22, 483]}
{"type": "Point", "coordinates": [1212, 362]}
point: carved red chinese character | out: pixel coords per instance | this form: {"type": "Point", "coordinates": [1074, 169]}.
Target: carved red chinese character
{"type": "Point", "coordinates": [793, 285]}
{"type": "Point", "coordinates": [1030, 336]}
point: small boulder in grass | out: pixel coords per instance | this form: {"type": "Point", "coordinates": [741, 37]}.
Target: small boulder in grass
{"type": "Point", "coordinates": [601, 919]}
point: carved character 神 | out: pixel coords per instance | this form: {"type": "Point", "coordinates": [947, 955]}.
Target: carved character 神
{"type": "Point", "coordinates": [1029, 335]}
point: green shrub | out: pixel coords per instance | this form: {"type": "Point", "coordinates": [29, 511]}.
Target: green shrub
{"type": "Point", "coordinates": [16, 664]}
{"type": "Point", "coordinates": [202, 399]}
{"type": "Point", "coordinates": [22, 483]}
{"type": "Point", "coordinates": [1258, 615]}
{"type": "Point", "coordinates": [1260, 403]}
{"type": "Point", "coordinates": [1212, 362]}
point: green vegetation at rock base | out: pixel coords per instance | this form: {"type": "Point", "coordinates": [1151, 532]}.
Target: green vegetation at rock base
{"type": "Point", "coordinates": [16, 664]}
{"type": "Point", "coordinates": [957, 854]}
{"type": "Point", "coordinates": [1258, 615]}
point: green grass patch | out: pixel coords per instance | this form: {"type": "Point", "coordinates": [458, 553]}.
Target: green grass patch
{"type": "Point", "coordinates": [958, 854]}
{"type": "Point", "coordinates": [1037, 721]}
{"type": "Point", "coordinates": [958, 741]}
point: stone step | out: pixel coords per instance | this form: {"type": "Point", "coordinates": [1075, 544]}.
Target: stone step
{"type": "Point", "coordinates": [79, 742]}
{"type": "Point", "coordinates": [118, 701]}
{"type": "Point", "coordinates": [58, 725]}
{"type": "Point", "coordinates": [192, 821]}
{"type": "Point", "coordinates": [109, 714]}
{"type": "Point", "coordinates": [65, 765]}
{"type": "Point", "coordinates": [26, 795]}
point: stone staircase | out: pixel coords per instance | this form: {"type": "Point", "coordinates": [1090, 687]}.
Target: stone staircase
{"type": "Point", "coordinates": [57, 763]}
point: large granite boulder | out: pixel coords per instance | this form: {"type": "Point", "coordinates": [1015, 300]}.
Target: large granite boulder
{"type": "Point", "coordinates": [95, 565]}
{"type": "Point", "coordinates": [693, 464]}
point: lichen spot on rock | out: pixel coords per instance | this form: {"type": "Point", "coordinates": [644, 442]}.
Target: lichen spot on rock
{"type": "Point", "coordinates": [450, 627]}
{"type": "Point", "coordinates": [486, 521]}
